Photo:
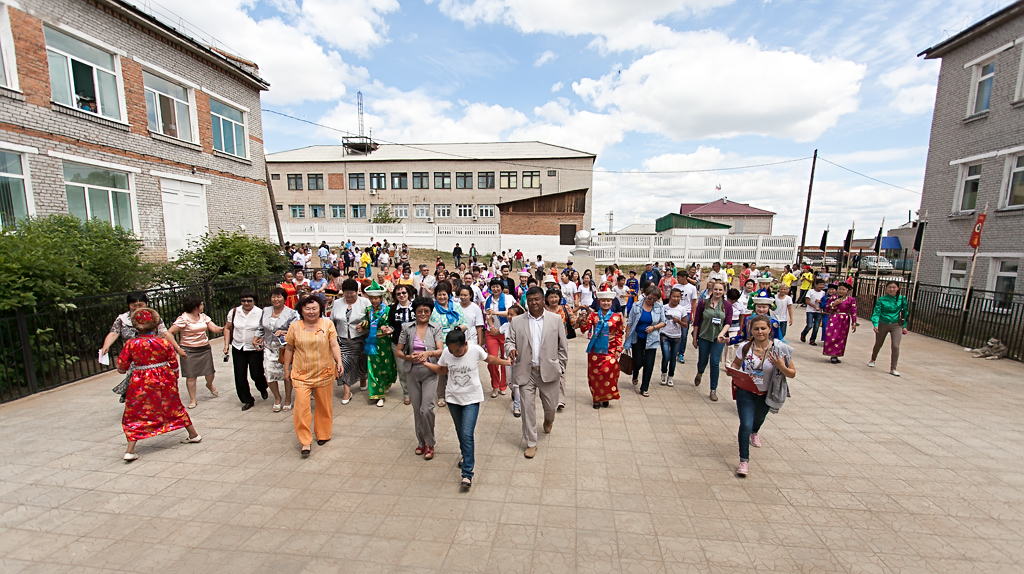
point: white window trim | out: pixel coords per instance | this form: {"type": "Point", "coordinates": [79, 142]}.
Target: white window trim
{"type": "Point", "coordinates": [18, 148]}
{"type": "Point", "coordinates": [25, 176]}
{"type": "Point", "coordinates": [190, 93]}
{"type": "Point", "coordinates": [88, 39]}
{"type": "Point", "coordinates": [989, 56]}
{"type": "Point", "coordinates": [225, 101]}
{"type": "Point", "coordinates": [245, 124]}
{"type": "Point", "coordinates": [459, 206]}
{"type": "Point", "coordinates": [7, 42]}
{"type": "Point", "coordinates": [974, 158]}
{"type": "Point", "coordinates": [992, 255]}
{"type": "Point", "coordinates": [961, 179]}
{"type": "Point", "coordinates": [975, 78]}
{"type": "Point", "coordinates": [132, 187]}
{"type": "Point", "coordinates": [416, 213]}
{"type": "Point", "coordinates": [117, 71]}
{"type": "Point", "coordinates": [1018, 91]}
{"type": "Point", "coordinates": [175, 176]}
{"type": "Point", "coordinates": [171, 76]}
{"type": "Point", "coordinates": [394, 210]}
{"type": "Point", "coordinates": [993, 271]}
{"type": "Point", "coordinates": [93, 162]}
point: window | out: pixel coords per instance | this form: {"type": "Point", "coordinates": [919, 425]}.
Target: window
{"type": "Point", "coordinates": [280, 207]}
{"type": "Point", "coordinates": [420, 180]}
{"type": "Point", "coordinates": [566, 234]}
{"type": "Point", "coordinates": [442, 211]}
{"type": "Point", "coordinates": [531, 179]}
{"type": "Point", "coordinates": [486, 210]}
{"type": "Point", "coordinates": [421, 210]}
{"type": "Point", "coordinates": [378, 181]}
{"type": "Point", "coordinates": [442, 180]}
{"type": "Point", "coordinates": [167, 107]}
{"type": "Point", "coordinates": [275, 176]}
{"type": "Point", "coordinates": [228, 129]}
{"type": "Point", "coordinates": [485, 180]}
{"type": "Point", "coordinates": [400, 210]}
{"type": "Point", "coordinates": [3, 70]}
{"type": "Point", "coordinates": [359, 211]}
{"type": "Point", "coordinates": [337, 211]}
{"type": "Point", "coordinates": [316, 210]}
{"type": "Point", "coordinates": [295, 181]}
{"type": "Point", "coordinates": [508, 180]}
{"type": "Point", "coordinates": [465, 210]}
{"type": "Point", "coordinates": [98, 193]}
{"type": "Point", "coordinates": [967, 199]}
{"type": "Point", "coordinates": [982, 92]}
{"type": "Point", "coordinates": [399, 181]}
{"type": "Point", "coordinates": [464, 180]}
{"type": "Point", "coordinates": [1005, 282]}
{"type": "Point", "coordinates": [298, 211]}
{"type": "Point", "coordinates": [1015, 191]}
{"type": "Point", "coordinates": [82, 76]}
{"type": "Point", "coordinates": [958, 274]}
{"type": "Point", "coordinates": [316, 181]}
{"type": "Point", "coordinates": [13, 199]}
{"type": "Point", "coordinates": [552, 173]}
{"type": "Point", "coordinates": [356, 181]}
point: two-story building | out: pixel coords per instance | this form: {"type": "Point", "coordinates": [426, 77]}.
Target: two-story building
{"type": "Point", "coordinates": [740, 217]}
{"type": "Point", "coordinates": [976, 155]}
{"type": "Point", "coordinates": [107, 112]}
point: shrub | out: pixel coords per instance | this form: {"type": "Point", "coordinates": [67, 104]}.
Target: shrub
{"type": "Point", "coordinates": [226, 256]}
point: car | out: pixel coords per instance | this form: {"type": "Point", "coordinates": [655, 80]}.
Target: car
{"type": "Point", "coordinates": [875, 263]}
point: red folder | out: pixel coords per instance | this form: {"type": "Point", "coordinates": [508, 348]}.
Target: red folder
{"type": "Point", "coordinates": [743, 381]}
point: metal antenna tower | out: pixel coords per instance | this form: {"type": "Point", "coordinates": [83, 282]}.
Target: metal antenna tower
{"type": "Point", "coordinates": [359, 100]}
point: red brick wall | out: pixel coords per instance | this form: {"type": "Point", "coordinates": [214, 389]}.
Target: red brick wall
{"type": "Point", "coordinates": [335, 181]}
{"type": "Point", "coordinates": [135, 96]}
{"type": "Point", "coordinates": [30, 47]}
{"type": "Point", "coordinates": [205, 127]}
{"type": "Point", "coordinates": [538, 223]}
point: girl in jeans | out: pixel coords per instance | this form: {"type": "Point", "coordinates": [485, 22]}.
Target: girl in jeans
{"type": "Point", "coordinates": [762, 358]}
{"type": "Point", "coordinates": [711, 323]}
{"type": "Point", "coordinates": [676, 319]}
{"type": "Point", "coordinates": [643, 334]}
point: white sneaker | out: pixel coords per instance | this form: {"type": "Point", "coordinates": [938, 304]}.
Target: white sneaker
{"type": "Point", "coordinates": [380, 402]}
{"type": "Point", "coordinates": [669, 382]}
{"type": "Point", "coordinates": [871, 364]}
{"type": "Point", "coordinates": [664, 378]}
{"type": "Point", "coordinates": [894, 373]}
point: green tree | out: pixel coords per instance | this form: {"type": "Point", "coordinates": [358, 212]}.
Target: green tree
{"type": "Point", "coordinates": [383, 214]}
{"type": "Point", "coordinates": [225, 256]}
{"type": "Point", "coordinates": [59, 257]}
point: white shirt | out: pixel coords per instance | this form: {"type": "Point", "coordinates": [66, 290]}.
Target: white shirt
{"type": "Point", "coordinates": [299, 259]}
{"type": "Point", "coordinates": [474, 319]}
{"type": "Point", "coordinates": [671, 328]}
{"type": "Point", "coordinates": [622, 294]}
{"type": "Point", "coordinates": [509, 301]}
{"type": "Point", "coordinates": [478, 294]}
{"type": "Point", "coordinates": [586, 296]}
{"type": "Point", "coordinates": [689, 293]}
{"type": "Point", "coordinates": [536, 336]}
{"type": "Point", "coordinates": [383, 259]}
{"type": "Point", "coordinates": [464, 386]}
{"type": "Point", "coordinates": [815, 297]}
{"type": "Point", "coordinates": [245, 326]}
{"type": "Point", "coordinates": [719, 275]}
{"type": "Point", "coordinates": [346, 322]}
{"type": "Point", "coordinates": [781, 312]}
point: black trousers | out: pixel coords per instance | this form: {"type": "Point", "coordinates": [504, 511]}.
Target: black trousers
{"type": "Point", "coordinates": [248, 363]}
{"type": "Point", "coordinates": [643, 358]}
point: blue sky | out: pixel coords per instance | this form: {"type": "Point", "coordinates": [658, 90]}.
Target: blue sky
{"type": "Point", "coordinates": [656, 85]}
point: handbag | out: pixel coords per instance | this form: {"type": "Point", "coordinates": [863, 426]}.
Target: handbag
{"type": "Point", "coordinates": [570, 331]}
{"type": "Point", "coordinates": [626, 364]}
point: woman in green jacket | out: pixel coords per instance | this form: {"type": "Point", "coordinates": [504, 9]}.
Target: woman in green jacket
{"type": "Point", "coordinates": [889, 318]}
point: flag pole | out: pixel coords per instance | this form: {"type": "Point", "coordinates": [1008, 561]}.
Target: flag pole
{"type": "Point", "coordinates": [879, 255]}
{"type": "Point", "coordinates": [849, 255]}
{"type": "Point", "coordinates": [974, 261]}
{"type": "Point", "coordinates": [917, 264]}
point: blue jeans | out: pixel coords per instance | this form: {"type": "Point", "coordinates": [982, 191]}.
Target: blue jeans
{"type": "Point", "coordinates": [752, 410]}
{"type": "Point", "coordinates": [669, 348]}
{"type": "Point", "coordinates": [464, 417]}
{"type": "Point", "coordinates": [709, 350]}
{"type": "Point", "coordinates": [682, 345]}
{"type": "Point", "coordinates": [813, 322]}
{"type": "Point", "coordinates": [783, 325]}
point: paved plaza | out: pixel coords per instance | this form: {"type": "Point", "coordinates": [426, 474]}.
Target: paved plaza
{"type": "Point", "coordinates": [859, 472]}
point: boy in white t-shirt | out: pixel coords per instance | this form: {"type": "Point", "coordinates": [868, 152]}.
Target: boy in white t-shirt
{"type": "Point", "coordinates": [783, 303]}
{"type": "Point", "coordinates": [460, 363]}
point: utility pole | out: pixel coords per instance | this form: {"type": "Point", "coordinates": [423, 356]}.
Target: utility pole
{"type": "Point", "coordinates": [273, 207]}
{"type": "Point", "coordinates": [807, 211]}
{"type": "Point", "coordinates": [611, 218]}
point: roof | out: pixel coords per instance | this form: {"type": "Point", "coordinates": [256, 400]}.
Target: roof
{"type": "Point", "coordinates": [891, 242]}
{"type": "Point", "coordinates": [432, 151]}
{"type": "Point", "coordinates": [977, 29]}
{"type": "Point", "coordinates": [721, 206]}
{"type": "Point", "coordinates": [637, 229]}
{"type": "Point", "coordinates": [676, 221]}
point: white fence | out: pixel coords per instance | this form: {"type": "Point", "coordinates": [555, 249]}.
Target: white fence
{"type": "Point", "coordinates": [682, 249]}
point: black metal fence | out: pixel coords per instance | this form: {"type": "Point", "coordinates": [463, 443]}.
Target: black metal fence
{"type": "Point", "coordinates": [939, 312]}
{"type": "Point", "coordinates": [48, 346]}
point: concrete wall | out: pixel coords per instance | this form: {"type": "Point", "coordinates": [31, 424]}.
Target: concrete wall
{"type": "Point", "coordinates": [236, 195]}
{"type": "Point", "coordinates": [956, 136]}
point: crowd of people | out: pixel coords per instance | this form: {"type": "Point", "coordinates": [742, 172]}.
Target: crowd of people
{"type": "Point", "coordinates": [429, 329]}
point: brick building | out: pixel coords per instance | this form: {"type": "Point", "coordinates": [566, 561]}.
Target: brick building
{"type": "Point", "coordinates": [976, 155]}
{"type": "Point", "coordinates": [740, 217]}
{"type": "Point", "coordinates": [106, 112]}
{"type": "Point", "coordinates": [526, 188]}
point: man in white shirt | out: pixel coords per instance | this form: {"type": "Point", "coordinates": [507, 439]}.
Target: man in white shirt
{"type": "Point", "coordinates": [423, 282]}
{"type": "Point", "coordinates": [299, 259]}
{"type": "Point", "coordinates": [383, 259]}
{"type": "Point", "coordinates": [718, 274]}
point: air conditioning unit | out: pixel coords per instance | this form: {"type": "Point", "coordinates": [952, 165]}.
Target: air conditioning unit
{"type": "Point", "coordinates": [430, 220]}
{"type": "Point", "coordinates": [474, 218]}
{"type": "Point", "coordinates": [373, 192]}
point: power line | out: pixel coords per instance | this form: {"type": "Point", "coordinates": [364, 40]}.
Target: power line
{"type": "Point", "coordinates": [459, 156]}
{"type": "Point", "coordinates": [869, 177]}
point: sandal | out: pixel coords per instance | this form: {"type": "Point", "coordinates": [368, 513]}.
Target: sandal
{"type": "Point", "coordinates": [645, 394]}
{"type": "Point", "coordinates": [192, 405]}
{"type": "Point", "coordinates": [286, 408]}
{"type": "Point", "coordinates": [193, 440]}
{"type": "Point", "coordinates": [277, 407]}
{"type": "Point", "coordinates": [212, 390]}
{"type": "Point", "coordinates": [466, 482]}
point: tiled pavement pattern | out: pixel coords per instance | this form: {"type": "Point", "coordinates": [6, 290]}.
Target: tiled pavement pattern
{"type": "Point", "coordinates": [860, 472]}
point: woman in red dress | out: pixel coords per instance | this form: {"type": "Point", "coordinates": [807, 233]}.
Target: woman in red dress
{"type": "Point", "coordinates": [290, 288]}
{"type": "Point", "coordinates": [604, 350]}
{"type": "Point", "coordinates": [152, 404]}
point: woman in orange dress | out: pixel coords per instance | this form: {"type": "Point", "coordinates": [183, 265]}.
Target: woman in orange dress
{"type": "Point", "coordinates": [603, 350]}
{"type": "Point", "coordinates": [289, 287]}
{"type": "Point", "coordinates": [152, 403]}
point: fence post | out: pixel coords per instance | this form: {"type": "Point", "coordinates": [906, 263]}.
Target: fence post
{"type": "Point", "coordinates": [26, 353]}
{"type": "Point", "coordinates": [963, 317]}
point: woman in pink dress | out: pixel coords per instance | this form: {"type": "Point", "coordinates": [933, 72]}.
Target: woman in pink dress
{"type": "Point", "coordinates": [152, 403]}
{"type": "Point", "coordinates": [842, 320]}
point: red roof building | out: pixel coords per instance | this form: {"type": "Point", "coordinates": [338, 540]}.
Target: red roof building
{"type": "Point", "coordinates": [741, 217]}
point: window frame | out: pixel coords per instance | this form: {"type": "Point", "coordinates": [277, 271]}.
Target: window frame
{"type": "Point", "coordinates": [130, 190]}
{"type": "Point", "coordinates": [336, 208]}
{"type": "Point", "coordinates": [378, 181]}
{"type": "Point", "coordinates": [534, 180]}
{"type": "Point", "coordinates": [464, 209]}
{"type": "Point", "coordinates": [445, 179]}
{"type": "Point", "coordinates": [463, 180]}
{"type": "Point", "coordinates": [357, 211]}
{"type": "Point", "coordinates": [318, 177]}
{"type": "Point", "coordinates": [963, 178]}
{"type": "Point", "coordinates": [421, 210]}
{"type": "Point", "coordinates": [486, 210]}
{"type": "Point", "coordinates": [508, 180]}
{"type": "Point", "coordinates": [400, 207]}
{"type": "Point", "coordinates": [421, 180]}
{"type": "Point", "coordinates": [314, 208]}
{"type": "Point", "coordinates": [1012, 168]}
{"type": "Point", "coordinates": [443, 210]}
{"type": "Point", "coordinates": [297, 211]}
{"type": "Point", "coordinates": [486, 177]}
{"type": "Point", "coordinates": [190, 102]}
{"type": "Point", "coordinates": [402, 177]}
{"type": "Point", "coordinates": [1003, 299]}
{"type": "Point", "coordinates": [292, 177]}
{"type": "Point", "coordinates": [977, 77]}
{"type": "Point", "coordinates": [26, 183]}
{"type": "Point", "coordinates": [8, 55]}
{"type": "Point", "coordinates": [245, 124]}
{"type": "Point", "coordinates": [358, 179]}
{"type": "Point", "coordinates": [116, 72]}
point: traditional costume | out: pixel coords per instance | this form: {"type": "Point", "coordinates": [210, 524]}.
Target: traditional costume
{"type": "Point", "coordinates": [381, 369]}
{"type": "Point", "coordinates": [603, 351]}
{"type": "Point", "coordinates": [841, 315]}
{"type": "Point", "coordinates": [744, 333]}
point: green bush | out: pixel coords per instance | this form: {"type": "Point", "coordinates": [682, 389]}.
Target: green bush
{"type": "Point", "coordinates": [226, 256]}
{"type": "Point", "coordinates": [59, 257]}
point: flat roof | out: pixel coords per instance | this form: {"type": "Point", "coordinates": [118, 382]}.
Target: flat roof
{"type": "Point", "coordinates": [979, 28]}
{"type": "Point", "coordinates": [431, 151]}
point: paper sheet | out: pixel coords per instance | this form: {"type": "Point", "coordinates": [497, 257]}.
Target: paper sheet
{"type": "Point", "coordinates": [103, 358]}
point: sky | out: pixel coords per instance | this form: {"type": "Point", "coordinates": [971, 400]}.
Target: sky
{"type": "Point", "coordinates": [656, 88]}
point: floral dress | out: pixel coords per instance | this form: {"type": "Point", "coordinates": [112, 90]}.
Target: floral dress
{"type": "Point", "coordinates": [603, 364]}
{"type": "Point", "coordinates": [153, 405]}
{"type": "Point", "coordinates": [381, 368]}
{"type": "Point", "coordinates": [841, 314]}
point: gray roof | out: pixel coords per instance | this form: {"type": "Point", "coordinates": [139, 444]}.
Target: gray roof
{"type": "Point", "coordinates": [431, 151]}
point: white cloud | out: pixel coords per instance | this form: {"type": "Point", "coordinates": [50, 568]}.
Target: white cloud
{"type": "Point", "coordinates": [557, 87]}
{"type": "Point", "coordinates": [353, 25]}
{"type": "Point", "coordinates": [913, 87]}
{"type": "Point", "coordinates": [880, 155]}
{"type": "Point", "coordinates": [707, 85]}
{"type": "Point", "coordinates": [544, 58]}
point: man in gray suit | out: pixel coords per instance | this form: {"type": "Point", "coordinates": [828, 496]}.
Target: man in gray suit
{"type": "Point", "coordinates": [537, 347]}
